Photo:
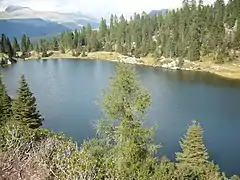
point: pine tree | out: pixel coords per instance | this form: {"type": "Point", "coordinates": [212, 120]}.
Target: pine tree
{"type": "Point", "coordinates": [15, 45]}
{"type": "Point", "coordinates": [76, 39]}
{"type": "Point", "coordinates": [37, 49]}
{"type": "Point", "coordinates": [55, 44]}
{"type": "Point", "coordinates": [25, 108]}
{"type": "Point", "coordinates": [28, 44]}
{"type": "Point", "coordinates": [9, 49]}
{"type": "Point", "coordinates": [5, 103]}
{"type": "Point", "coordinates": [43, 47]}
{"type": "Point", "coordinates": [3, 43]}
{"type": "Point", "coordinates": [194, 47]}
{"type": "Point", "coordinates": [103, 31]}
{"type": "Point", "coordinates": [191, 32]}
{"type": "Point", "coordinates": [24, 47]}
{"type": "Point", "coordinates": [236, 42]}
{"type": "Point", "coordinates": [165, 170]}
{"type": "Point", "coordinates": [124, 107]}
{"type": "Point", "coordinates": [193, 160]}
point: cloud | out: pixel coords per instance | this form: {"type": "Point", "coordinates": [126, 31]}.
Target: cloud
{"type": "Point", "coordinates": [96, 7]}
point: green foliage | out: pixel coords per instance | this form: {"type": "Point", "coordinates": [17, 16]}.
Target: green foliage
{"type": "Point", "coordinates": [187, 32]}
{"type": "Point", "coordinates": [24, 46]}
{"type": "Point", "coordinates": [25, 108]}
{"type": "Point", "coordinates": [15, 45]}
{"type": "Point", "coordinates": [3, 43]}
{"type": "Point", "coordinates": [193, 160]}
{"type": "Point", "coordinates": [84, 53]}
{"type": "Point", "coordinates": [6, 47]}
{"type": "Point", "coordinates": [235, 177]}
{"type": "Point", "coordinates": [44, 47]}
{"type": "Point", "coordinates": [124, 107]}
{"type": "Point", "coordinates": [124, 148]}
{"type": "Point", "coordinates": [165, 170]}
{"type": "Point", "coordinates": [55, 44]}
{"type": "Point", "coordinates": [9, 50]}
{"type": "Point", "coordinates": [5, 103]}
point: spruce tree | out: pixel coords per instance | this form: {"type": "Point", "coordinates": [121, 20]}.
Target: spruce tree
{"type": "Point", "coordinates": [28, 44]}
{"type": "Point", "coordinates": [193, 161]}
{"type": "Point", "coordinates": [9, 50]}
{"type": "Point", "coordinates": [37, 49]}
{"type": "Point", "coordinates": [15, 45]}
{"type": "Point", "coordinates": [25, 108]}
{"type": "Point", "coordinates": [103, 31]}
{"type": "Point", "coordinates": [3, 44]}
{"type": "Point", "coordinates": [24, 44]}
{"type": "Point", "coordinates": [5, 103]}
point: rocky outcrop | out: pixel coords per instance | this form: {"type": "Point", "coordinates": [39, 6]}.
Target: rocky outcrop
{"type": "Point", "coordinates": [130, 60]}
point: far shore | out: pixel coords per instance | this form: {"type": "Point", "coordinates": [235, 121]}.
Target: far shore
{"type": "Point", "coordinates": [227, 70]}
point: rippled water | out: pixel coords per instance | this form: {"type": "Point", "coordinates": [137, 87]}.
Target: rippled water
{"type": "Point", "coordinates": [67, 92]}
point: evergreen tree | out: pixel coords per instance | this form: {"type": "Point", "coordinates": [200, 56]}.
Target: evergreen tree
{"type": "Point", "coordinates": [165, 170]}
{"type": "Point", "coordinates": [28, 44]}
{"type": "Point", "coordinates": [124, 107]}
{"type": "Point", "coordinates": [194, 47]}
{"type": "Point", "coordinates": [103, 31]}
{"type": "Point", "coordinates": [3, 43]}
{"type": "Point", "coordinates": [25, 108]}
{"type": "Point", "coordinates": [24, 46]}
{"type": "Point", "coordinates": [76, 39]}
{"type": "Point", "coordinates": [43, 47]}
{"type": "Point", "coordinates": [9, 49]}
{"type": "Point", "coordinates": [37, 49]}
{"type": "Point", "coordinates": [190, 32]}
{"type": "Point", "coordinates": [5, 103]}
{"type": "Point", "coordinates": [15, 45]}
{"type": "Point", "coordinates": [55, 44]}
{"type": "Point", "coordinates": [193, 161]}
{"type": "Point", "coordinates": [236, 41]}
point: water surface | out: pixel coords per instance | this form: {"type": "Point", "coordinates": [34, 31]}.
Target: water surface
{"type": "Point", "coordinates": [67, 93]}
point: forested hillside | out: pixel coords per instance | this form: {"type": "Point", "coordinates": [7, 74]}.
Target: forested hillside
{"type": "Point", "coordinates": [190, 32]}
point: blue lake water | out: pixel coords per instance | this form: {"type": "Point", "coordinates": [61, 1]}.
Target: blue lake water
{"type": "Point", "coordinates": [67, 92]}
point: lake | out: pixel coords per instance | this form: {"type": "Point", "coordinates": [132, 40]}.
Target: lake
{"type": "Point", "coordinates": [67, 92]}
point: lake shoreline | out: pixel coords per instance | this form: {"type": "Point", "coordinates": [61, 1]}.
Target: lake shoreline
{"type": "Point", "coordinates": [226, 70]}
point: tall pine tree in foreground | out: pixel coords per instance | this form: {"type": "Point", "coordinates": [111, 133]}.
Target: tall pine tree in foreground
{"type": "Point", "coordinates": [25, 108]}
{"type": "Point", "coordinates": [5, 103]}
{"type": "Point", "coordinates": [193, 161]}
{"type": "Point", "coordinates": [124, 106]}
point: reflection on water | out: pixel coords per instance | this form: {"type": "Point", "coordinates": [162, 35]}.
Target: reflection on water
{"type": "Point", "coordinates": [204, 77]}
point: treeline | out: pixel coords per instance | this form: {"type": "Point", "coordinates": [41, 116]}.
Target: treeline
{"type": "Point", "coordinates": [123, 148]}
{"type": "Point", "coordinates": [12, 48]}
{"type": "Point", "coordinates": [191, 32]}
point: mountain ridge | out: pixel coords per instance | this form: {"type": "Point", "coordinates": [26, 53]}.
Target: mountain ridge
{"type": "Point", "coordinates": [18, 20]}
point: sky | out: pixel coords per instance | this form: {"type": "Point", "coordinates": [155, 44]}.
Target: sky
{"type": "Point", "coordinates": [96, 8]}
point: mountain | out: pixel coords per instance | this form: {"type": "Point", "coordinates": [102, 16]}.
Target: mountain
{"type": "Point", "coordinates": [155, 12]}
{"type": "Point", "coordinates": [34, 27]}
{"type": "Point", "coordinates": [15, 8]}
{"type": "Point", "coordinates": [17, 20]}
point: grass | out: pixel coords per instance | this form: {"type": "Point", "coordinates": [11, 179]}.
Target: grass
{"type": "Point", "coordinates": [148, 60]}
{"type": "Point", "coordinates": [103, 55]}
{"type": "Point", "coordinates": [226, 69]}
{"type": "Point", "coordinates": [92, 55]}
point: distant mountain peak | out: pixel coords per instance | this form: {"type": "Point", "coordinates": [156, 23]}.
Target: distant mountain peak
{"type": "Point", "coordinates": [155, 12]}
{"type": "Point", "coordinates": [13, 8]}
